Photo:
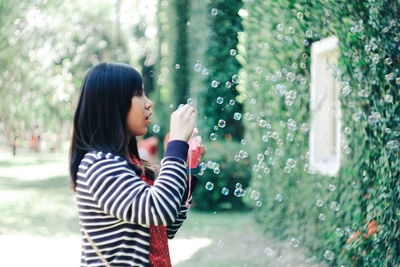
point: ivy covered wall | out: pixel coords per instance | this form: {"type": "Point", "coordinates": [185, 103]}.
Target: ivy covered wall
{"type": "Point", "coordinates": [351, 219]}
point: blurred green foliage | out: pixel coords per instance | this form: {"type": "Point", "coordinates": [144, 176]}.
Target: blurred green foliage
{"type": "Point", "coordinates": [231, 173]}
{"type": "Point", "coordinates": [46, 48]}
{"type": "Point", "coordinates": [276, 41]}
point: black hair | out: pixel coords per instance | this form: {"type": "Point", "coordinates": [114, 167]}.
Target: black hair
{"type": "Point", "coordinates": [101, 113]}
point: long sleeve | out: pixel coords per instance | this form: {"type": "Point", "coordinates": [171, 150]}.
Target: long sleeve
{"type": "Point", "coordinates": [183, 211]}
{"type": "Point", "coordinates": [119, 192]}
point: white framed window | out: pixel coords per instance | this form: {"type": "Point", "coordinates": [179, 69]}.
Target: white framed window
{"type": "Point", "coordinates": [325, 126]}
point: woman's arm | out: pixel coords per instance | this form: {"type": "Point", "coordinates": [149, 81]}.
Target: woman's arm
{"type": "Point", "coordinates": [121, 193]}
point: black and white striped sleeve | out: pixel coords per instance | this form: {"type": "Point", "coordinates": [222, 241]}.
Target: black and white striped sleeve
{"type": "Point", "coordinates": [121, 193]}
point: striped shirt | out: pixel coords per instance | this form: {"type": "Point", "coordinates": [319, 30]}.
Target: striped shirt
{"type": "Point", "coordinates": [116, 207]}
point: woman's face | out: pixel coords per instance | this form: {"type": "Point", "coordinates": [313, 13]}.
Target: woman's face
{"type": "Point", "coordinates": [139, 115]}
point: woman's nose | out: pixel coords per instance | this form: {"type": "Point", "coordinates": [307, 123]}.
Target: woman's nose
{"type": "Point", "coordinates": [149, 103]}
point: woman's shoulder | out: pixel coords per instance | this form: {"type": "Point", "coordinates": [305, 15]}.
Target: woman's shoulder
{"type": "Point", "coordinates": [95, 156]}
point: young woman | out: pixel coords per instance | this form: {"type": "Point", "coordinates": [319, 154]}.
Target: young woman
{"type": "Point", "coordinates": [126, 213]}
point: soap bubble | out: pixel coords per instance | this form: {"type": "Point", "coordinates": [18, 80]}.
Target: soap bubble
{"type": "Point", "coordinates": [292, 125]}
{"type": "Point", "coordinates": [374, 118]}
{"type": "Point", "coordinates": [238, 192]}
{"type": "Point", "coordinates": [262, 123]}
{"type": "Point", "coordinates": [335, 206]}
{"type": "Point", "coordinates": [156, 128]}
{"type": "Point", "coordinates": [214, 12]}
{"type": "Point", "coordinates": [197, 67]}
{"type": "Point", "coordinates": [356, 116]}
{"type": "Point", "coordinates": [319, 203]}
{"type": "Point", "coordinates": [329, 255]}
{"type": "Point", "coordinates": [300, 15]}
{"type": "Point", "coordinates": [291, 163]}
{"type": "Point", "coordinates": [294, 243]}
{"type": "Point", "coordinates": [209, 186]}
{"type": "Point", "coordinates": [213, 137]}
{"type": "Point", "coordinates": [389, 76]}
{"type": "Point", "coordinates": [237, 116]}
{"type": "Point", "coordinates": [235, 78]}
{"type": "Point", "coordinates": [268, 251]}
{"type": "Point", "coordinates": [332, 187]}
{"type": "Point", "coordinates": [214, 84]}
{"type": "Point", "coordinates": [202, 166]}
{"type": "Point", "coordinates": [232, 52]}
{"type": "Point", "coordinates": [347, 130]}
{"type": "Point", "coordinates": [388, 98]}
{"type": "Point", "coordinates": [255, 195]}
{"type": "Point", "coordinates": [220, 100]}
{"type": "Point", "coordinates": [224, 191]}
{"type": "Point", "coordinates": [392, 144]}
{"type": "Point", "coordinates": [375, 58]}
{"type": "Point", "coordinates": [388, 61]}
{"type": "Point", "coordinates": [290, 76]}
{"type": "Point", "coordinates": [280, 27]}
{"type": "Point", "coordinates": [221, 123]}
{"type": "Point", "coordinates": [339, 232]}
{"type": "Point", "coordinates": [346, 90]}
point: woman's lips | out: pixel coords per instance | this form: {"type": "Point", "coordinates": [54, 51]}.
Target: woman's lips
{"type": "Point", "coordinates": [148, 121]}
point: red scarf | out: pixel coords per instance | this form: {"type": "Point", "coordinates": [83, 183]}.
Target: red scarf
{"type": "Point", "coordinates": [159, 251]}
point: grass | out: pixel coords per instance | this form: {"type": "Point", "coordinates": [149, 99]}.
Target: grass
{"type": "Point", "coordinates": [35, 200]}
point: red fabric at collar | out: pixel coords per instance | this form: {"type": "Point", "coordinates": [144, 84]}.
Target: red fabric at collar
{"type": "Point", "coordinates": [159, 251]}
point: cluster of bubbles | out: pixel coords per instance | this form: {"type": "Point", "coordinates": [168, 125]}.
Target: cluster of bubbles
{"type": "Point", "coordinates": [241, 155]}
{"type": "Point", "coordinates": [239, 191]}
{"type": "Point", "coordinates": [335, 206]}
{"type": "Point", "coordinates": [290, 164]}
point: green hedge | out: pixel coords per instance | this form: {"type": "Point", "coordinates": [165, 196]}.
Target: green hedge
{"type": "Point", "coordinates": [275, 42]}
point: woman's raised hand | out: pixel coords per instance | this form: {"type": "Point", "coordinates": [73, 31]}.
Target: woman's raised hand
{"type": "Point", "coordinates": [183, 121]}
